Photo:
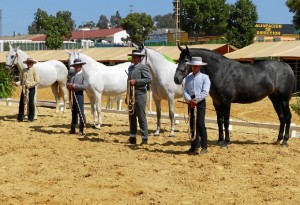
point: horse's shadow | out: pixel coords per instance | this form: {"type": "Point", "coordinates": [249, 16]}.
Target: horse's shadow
{"type": "Point", "coordinates": [9, 117]}
{"type": "Point", "coordinates": [42, 129]}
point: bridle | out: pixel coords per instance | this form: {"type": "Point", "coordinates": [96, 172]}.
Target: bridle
{"type": "Point", "coordinates": [13, 62]}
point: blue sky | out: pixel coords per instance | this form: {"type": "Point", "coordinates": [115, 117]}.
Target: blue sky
{"type": "Point", "coordinates": [18, 14]}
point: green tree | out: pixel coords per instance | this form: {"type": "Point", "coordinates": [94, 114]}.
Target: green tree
{"type": "Point", "coordinates": [294, 7]}
{"type": "Point", "coordinates": [56, 27]}
{"type": "Point", "coordinates": [203, 17]}
{"type": "Point", "coordinates": [165, 21]}
{"type": "Point", "coordinates": [115, 20]}
{"type": "Point", "coordinates": [54, 38]}
{"type": "Point", "coordinates": [103, 22]}
{"type": "Point", "coordinates": [241, 23]}
{"type": "Point", "coordinates": [89, 24]}
{"type": "Point", "coordinates": [138, 26]}
{"type": "Point", "coordinates": [37, 26]}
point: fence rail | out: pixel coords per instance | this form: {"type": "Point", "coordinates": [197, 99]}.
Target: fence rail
{"type": "Point", "coordinates": [293, 128]}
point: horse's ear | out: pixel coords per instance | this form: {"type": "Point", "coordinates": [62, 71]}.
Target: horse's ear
{"type": "Point", "coordinates": [134, 45]}
{"type": "Point", "coordinates": [10, 47]}
{"type": "Point", "coordinates": [18, 48]}
{"type": "Point", "coordinates": [187, 48]}
{"type": "Point", "coordinates": [142, 46]}
{"type": "Point", "coordinates": [68, 52]}
{"type": "Point", "coordinates": [179, 47]}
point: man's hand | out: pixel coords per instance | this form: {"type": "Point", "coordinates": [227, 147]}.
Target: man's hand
{"type": "Point", "coordinates": [70, 86]}
{"type": "Point", "coordinates": [192, 103]}
{"type": "Point", "coordinates": [132, 82]}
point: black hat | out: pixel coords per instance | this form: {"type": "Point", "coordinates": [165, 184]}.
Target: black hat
{"type": "Point", "coordinates": [136, 53]}
{"type": "Point", "coordinates": [78, 61]}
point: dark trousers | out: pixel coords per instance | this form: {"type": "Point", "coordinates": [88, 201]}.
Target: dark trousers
{"type": "Point", "coordinates": [200, 126]}
{"type": "Point", "coordinates": [31, 107]}
{"type": "Point", "coordinates": [140, 113]}
{"type": "Point", "coordinates": [75, 111]}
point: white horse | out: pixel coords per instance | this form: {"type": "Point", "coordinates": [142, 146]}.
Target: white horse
{"type": "Point", "coordinates": [162, 85]}
{"type": "Point", "coordinates": [106, 80]}
{"type": "Point", "coordinates": [52, 73]}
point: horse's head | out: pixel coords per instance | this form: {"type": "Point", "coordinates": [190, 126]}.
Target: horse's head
{"type": "Point", "coordinates": [182, 69]}
{"type": "Point", "coordinates": [72, 56]}
{"type": "Point", "coordinates": [11, 57]}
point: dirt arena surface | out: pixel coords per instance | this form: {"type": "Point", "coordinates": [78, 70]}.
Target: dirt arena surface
{"type": "Point", "coordinates": [40, 163]}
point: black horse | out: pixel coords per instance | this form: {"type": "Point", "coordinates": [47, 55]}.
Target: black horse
{"type": "Point", "coordinates": [233, 82]}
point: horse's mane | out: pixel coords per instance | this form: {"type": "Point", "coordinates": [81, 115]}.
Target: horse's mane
{"type": "Point", "coordinates": [165, 57]}
{"type": "Point", "coordinates": [211, 53]}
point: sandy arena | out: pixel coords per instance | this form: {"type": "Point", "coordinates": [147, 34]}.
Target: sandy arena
{"type": "Point", "coordinates": [42, 164]}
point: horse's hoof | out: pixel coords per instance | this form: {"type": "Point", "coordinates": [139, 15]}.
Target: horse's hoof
{"type": "Point", "coordinates": [285, 144]}
{"type": "Point", "coordinates": [172, 135]}
{"type": "Point", "coordinates": [224, 145]}
{"type": "Point", "coordinates": [277, 142]}
{"type": "Point", "coordinates": [220, 143]}
{"type": "Point", "coordinates": [156, 134]}
{"type": "Point", "coordinates": [97, 127]}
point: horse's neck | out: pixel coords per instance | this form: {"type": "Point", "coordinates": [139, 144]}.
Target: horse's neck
{"type": "Point", "coordinates": [159, 66]}
{"type": "Point", "coordinates": [214, 62]}
{"type": "Point", "coordinates": [91, 64]}
{"type": "Point", "coordinates": [22, 56]}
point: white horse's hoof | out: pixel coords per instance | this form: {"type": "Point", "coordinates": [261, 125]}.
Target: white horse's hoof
{"type": "Point", "coordinates": [172, 134]}
{"type": "Point", "coordinates": [98, 126]}
{"type": "Point", "coordinates": [156, 133]}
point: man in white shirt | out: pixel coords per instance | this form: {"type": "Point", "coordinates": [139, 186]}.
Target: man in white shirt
{"type": "Point", "coordinates": [196, 89]}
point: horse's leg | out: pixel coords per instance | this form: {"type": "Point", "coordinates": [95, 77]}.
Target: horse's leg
{"type": "Point", "coordinates": [279, 110]}
{"type": "Point", "coordinates": [226, 115]}
{"type": "Point", "coordinates": [158, 116]}
{"type": "Point", "coordinates": [92, 101]}
{"type": "Point", "coordinates": [54, 88]}
{"type": "Point", "coordinates": [220, 120]}
{"type": "Point", "coordinates": [171, 115]}
{"type": "Point", "coordinates": [287, 118]}
{"type": "Point", "coordinates": [65, 95]}
{"type": "Point", "coordinates": [98, 109]}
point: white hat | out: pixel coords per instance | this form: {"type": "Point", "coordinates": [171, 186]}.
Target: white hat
{"type": "Point", "coordinates": [196, 61]}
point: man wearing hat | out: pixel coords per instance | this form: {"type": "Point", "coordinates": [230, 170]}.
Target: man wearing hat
{"type": "Point", "coordinates": [30, 79]}
{"type": "Point", "coordinates": [77, 84]}
{"type": "Point", "coordinates": [196, 89]}
{"type": "Point", "coordinates": [139, 77]}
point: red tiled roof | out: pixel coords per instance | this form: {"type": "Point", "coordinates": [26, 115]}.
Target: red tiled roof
{"type": "Point", "coordinates": [89, 34]}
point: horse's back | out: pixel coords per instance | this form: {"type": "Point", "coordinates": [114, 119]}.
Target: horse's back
{"type": "Point", "coordinates": [283, 75]}
{"type": "Point", "coordinates": [51, 71]}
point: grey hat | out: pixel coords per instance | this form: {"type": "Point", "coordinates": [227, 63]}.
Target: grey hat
{"type": "Point", "coordinates": [196, 61]}
{"type": "Point", "coordinates": [78, 61]}
{"type": "Point", "coordinates": [136, 53]}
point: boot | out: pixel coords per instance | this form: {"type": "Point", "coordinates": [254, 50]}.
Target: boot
{"type": "Point", "coordinates": [81, 127]}
{"type": "Point", "coordinates": [73, 130]}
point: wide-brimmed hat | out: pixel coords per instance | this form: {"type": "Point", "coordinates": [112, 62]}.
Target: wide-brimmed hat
{"type": "Point", "coordinates": [30, 60]}
{"type": "Point", "coordinates": [136, 53]}
{"type": "Point", "coordinates": [78, 61]}
{"type": "Point", "coordinates": [196, 61]}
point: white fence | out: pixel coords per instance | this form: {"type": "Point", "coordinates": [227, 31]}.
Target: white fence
{"type": "Point", "coordinates": [293, 128]}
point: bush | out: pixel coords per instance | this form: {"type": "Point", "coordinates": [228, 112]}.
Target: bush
{"type": "Point", "coordinates": [6, 83]}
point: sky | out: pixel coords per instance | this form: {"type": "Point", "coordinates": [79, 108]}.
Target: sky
{"type": "Point", "coordinates": [17, 15]}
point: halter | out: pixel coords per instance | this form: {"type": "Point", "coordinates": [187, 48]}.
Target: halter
{"type": "Point", "coordinates": [13, 62]}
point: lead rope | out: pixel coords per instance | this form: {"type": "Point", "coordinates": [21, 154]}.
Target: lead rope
{"type": "Point", "coordinates": [80, 114]}
{"type": "Point", "coordinates": [25, 93]}
{"type": "Point", "coordinates": [130, 96]}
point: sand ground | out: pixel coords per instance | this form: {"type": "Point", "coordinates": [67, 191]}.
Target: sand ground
{"type": "Point", "coordinates": [40, 163]}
